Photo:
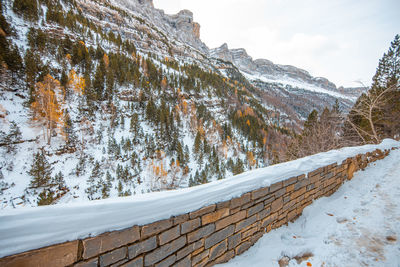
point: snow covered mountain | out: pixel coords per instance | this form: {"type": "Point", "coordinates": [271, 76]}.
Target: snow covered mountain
{"type": "Point", "coordinates": [106, 98]}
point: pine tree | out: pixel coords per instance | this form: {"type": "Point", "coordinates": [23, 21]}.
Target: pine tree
{"type": "Point", "coordinates": [12, 138]}
{"type": "Point", "coordinates": [71, 138]}
{"type": "Point", "coordinates": [197, 143]}
{"type": "Point", "coordinates": [40, 170]}
{"type": "Point", "coordinates": [46, 197]}
{"type": "Point", "coordinates": [94, 181]}
{"type": "Point", "coordinates": [59, 181]}
{"type": "Point", "coordinates": [27, 8]}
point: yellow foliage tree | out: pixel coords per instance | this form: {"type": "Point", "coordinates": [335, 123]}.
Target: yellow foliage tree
{"type": "Point", "coordinates": [46, 108]}
{"type": "Point", "coordinates": [76, 82]}
{"type": "Point", "coordinates": [250, 159]}
{"type": "Point", "coordinates": [106, 60]}
{"type": "Point", "coordinates": [164, 83]}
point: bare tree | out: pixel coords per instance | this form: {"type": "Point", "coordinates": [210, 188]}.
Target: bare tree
{"type": "Point", "coordinates": [367, 109]}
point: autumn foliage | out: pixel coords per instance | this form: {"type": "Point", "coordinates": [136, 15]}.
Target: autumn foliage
{"type": "Point", "coordinates": [46, 108]}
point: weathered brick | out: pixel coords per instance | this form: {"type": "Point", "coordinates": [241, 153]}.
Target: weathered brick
{"type": "Point", "coordinates": [276, 186]}
{"type": "Point", "coordinates": [248, 205]}
{"type": "Point", "coordinates": [286, 199]}
{"type": "Point", "coordinates": [200, 257]}
{"type": "Point", "coordinates": [169, 235]}
{"type": "Point", "coordinates": [119, 263]}
{"type": "Point", "coordinates": [292, 215]}
{"type": "Point", "coordinates": [202, 263]}
{"type": "Point", "coordinates": [234, 240]}
{"type": "Point", "coordinates": [245, 223]}
{"type": "Point", "coordinates": [289, 188]}
{"type": "Point", "coordinates": [262, 199]}
{"type": "Point", "coordinates": [189, 226]}
{"type": "Point", "coordinates": [225, 257]}
{"type": "Point", "coordinates": [202, 211]}
{"type": "Point", "coordinates": [290, 204]}
{"type": "Point", "coordinates": [58, 255]}
{"type": "Point", "coordinates": [222, 205]}
{"type": "Point", "coordinates": [180, 219]}
{"type": "Point", "coordinates": [218, 250]}
{"type": "Point", "coordinates": [164, 251]}
{"type": "Point", "coordinates": [329, 175]}
{"type": "Point", "coordinates": [189, 249]}
{"type": "Point", "coordinates": [200, 233]}
{"type": "Point", "coordinates": [301, 183]}
{"type": "Point", "coordinates": [138, 262]}
{"type": "Point", "coordinates": [314, 178]}
{"type": "Point", "coordinates": [242, 247]}
{"type": "Point", "coordinates": [317, 171]}
{"type": "Point", "coordinates": [289, 181]}
{"type": "Point", "coordinates": [155, 228]}
{"type": "Point", "coordinates": [113, 256]}
{"type": "Point", "coordinates": [277, 204]}
{"type": "Point", "coordinates": [88, 263]}
{"type": "Point", "coordinates": [142, 247]}
{"type": "Point", "coordinates": [256, 194]}
{"type": "Point", "coordinates": [214, 216]}
{"type": "Point", "coordinates": [270, 219]}
{"type": "Point", "coordinates": [235, 210]}
{"type": "Point", "coordinates": [280, 192]}
{"type": "Point", "coordinates": [219, 236]}
{"type": "Point", "coordinates": [310, 187]}
{"type": "Point", "coordinates": [269, 200]}
{"type": "Point", "coordinates": [97, 245]}
{"type": "Point", "coordinates": [167, 262]}
{"type": "Point", "coordinates": [230, 220]}
{"type": "Point", "coordinates": [298, 193]}
{"type": "Point", "coordinates": [186, 262]}
{"type": "Point", "coordinates": [197, 251]}
{"type": "Point", "coordinates": [250, 232]}
{"type": "Point", "coordinates": [240, 201]}
{"type": "Point", "coordinates": [253, 210]}
{"type": "Point", "coordinates": [255, 237]}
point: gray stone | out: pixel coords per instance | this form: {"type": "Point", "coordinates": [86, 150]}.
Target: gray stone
{"type": "Point", "coordinates": [189, 226]}
{"type": "Point", "coordinates": [164, 251]}
{"type": "Point", "coordinates": [200, 233]}
{"type": "Point", "coordinates": [219, 236]}
{"type": "Point", "coordinates": [169, 235]}
{"type": "Point", "coordinates": [141, 247]}
{"type": "Point", "coordinates": [138, 262]}
{"type": "Point", "coordinates": [155, 228]}
{"type": "Point", "coordinates": [113, 256]}
{"type": "Point", "coordinates": [167, 262]}
{"type": "Point", "coordinates": [247, 222]}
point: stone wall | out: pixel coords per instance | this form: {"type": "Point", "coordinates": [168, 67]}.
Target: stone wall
{"type": "Point", "coordinates": [210, 235]}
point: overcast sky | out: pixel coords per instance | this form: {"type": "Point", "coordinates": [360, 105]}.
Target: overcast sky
{"type": "Point", "coordinates": [341, 40]}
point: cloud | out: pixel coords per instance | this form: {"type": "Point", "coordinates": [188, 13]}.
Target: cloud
{"type": "Point", "coordinates": [341, 40]}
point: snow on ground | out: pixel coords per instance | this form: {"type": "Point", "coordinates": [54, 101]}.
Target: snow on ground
{"type": "Point", "coordinates": [359, 225]}
{"type": "Point", "coordinates": [29, 228]}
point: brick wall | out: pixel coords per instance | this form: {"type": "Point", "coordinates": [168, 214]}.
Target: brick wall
{"type": "Point", "coordinates": [210, 235]}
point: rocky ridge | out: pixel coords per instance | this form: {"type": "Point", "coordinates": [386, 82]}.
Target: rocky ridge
{"type": "Point", "coordinates": [266, 68]}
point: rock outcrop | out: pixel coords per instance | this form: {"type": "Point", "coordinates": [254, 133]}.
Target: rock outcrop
{"type": "Point", "coordinates": [266, 68]}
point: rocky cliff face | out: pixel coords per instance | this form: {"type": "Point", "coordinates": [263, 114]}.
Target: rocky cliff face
{"type": "Point", "coordinates": [178, 27]}
{"type": "Point", "coordinates": [267, 69]}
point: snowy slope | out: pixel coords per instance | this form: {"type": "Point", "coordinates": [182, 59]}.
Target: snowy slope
{"type": "Point", "coordinates": [359, 225]}
{"type": "Point", "coordinates": [29, 228]}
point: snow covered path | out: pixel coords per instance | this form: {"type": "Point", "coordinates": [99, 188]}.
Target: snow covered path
{"type": "Point", "coordinates": [359, 225]}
